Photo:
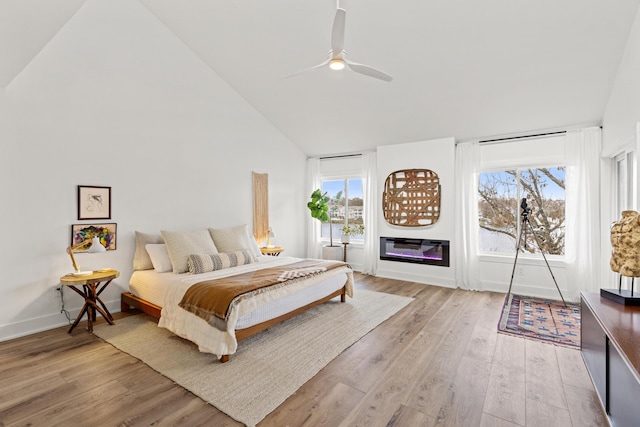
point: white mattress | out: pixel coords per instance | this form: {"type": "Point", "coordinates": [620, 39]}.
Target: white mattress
{"type": "Point", "coordinates": [166, 290]}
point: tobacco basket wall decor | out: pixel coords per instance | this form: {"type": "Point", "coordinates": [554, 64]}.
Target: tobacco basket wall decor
{"type": "Point", "coordinates": [411, 198]}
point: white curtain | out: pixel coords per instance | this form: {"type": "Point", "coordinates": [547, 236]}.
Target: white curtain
{"type": "Point", "coordinates": [313, 225]}
{"type": "Point", "coordinates": [466, 216]}
{"type": "Point", "coordinates": [582, 241]}
{"type": "Point", "coordinates": [370, 193]}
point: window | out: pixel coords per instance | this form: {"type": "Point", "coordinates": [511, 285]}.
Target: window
{"type": "Point", "coordinates": [625, 182]}
{"type": "Point", "coordinates": [345, 206]}
{"type": "Point", "coordinates": [501, 216]}
{"type": "Point", "coordinates": [624, 191]}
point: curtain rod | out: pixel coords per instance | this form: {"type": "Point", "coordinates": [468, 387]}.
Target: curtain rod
{"type": "Point", "coordinates": [536, 135]}
{"type": "Point", "coordinates": [523, 137]}
{"type": "Point", "coordinates": [340, 156]}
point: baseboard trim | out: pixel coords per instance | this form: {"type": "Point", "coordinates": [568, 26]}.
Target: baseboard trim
{"type": "Point", "coordinates": [549, 292]}
{"type": "Point", "coordinates": [45, 323]}
{"type": "Point", "coordinates": [417, 278]}
{"type": "Point", "coordinates": [355, 267]}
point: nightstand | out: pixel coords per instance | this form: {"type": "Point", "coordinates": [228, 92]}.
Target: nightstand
{"type": "Point", "coordinates": [344, 251]}
{"type": "Point", "coordinates": [273, 251]}
{"type": "Point", "coordinates": [91, 291]}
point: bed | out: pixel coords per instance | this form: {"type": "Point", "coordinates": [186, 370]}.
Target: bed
{"type": "Point", "coordinates": [161, 289]}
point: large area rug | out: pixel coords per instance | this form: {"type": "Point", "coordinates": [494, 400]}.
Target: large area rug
{"type": "Point", "coordinates": [541, 319]}
{"type": "Point", "coordinates": [268, 367]}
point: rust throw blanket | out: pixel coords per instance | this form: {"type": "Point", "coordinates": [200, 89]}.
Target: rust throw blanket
{"type": "Point", "coordinates": [212, 299]}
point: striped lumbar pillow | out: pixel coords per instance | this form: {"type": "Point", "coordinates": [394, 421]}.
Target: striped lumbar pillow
{"type": "Point", "coordinates": [204, 263]}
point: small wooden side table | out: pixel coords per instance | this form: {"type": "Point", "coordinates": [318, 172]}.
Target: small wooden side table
{"type": "Point", "coordinates": [274, 251]}
{"type": "Point", "coordinates": [91, 291]}
{"type": "Point", "coordinates": [344, 251]}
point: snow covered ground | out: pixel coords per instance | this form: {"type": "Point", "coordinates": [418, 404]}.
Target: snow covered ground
{"type": "Point", "coordinates": [492, 241]}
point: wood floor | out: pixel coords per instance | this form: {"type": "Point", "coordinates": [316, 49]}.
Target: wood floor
{"type": "Point", "coordinates": [437, 362]}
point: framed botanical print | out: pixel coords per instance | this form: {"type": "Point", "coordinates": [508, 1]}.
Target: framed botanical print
{"type": "Point", "coordinates": [94, 202]}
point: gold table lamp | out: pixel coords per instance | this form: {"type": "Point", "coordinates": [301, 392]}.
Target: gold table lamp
{"type": "Point", "coordinates": [96, 247]}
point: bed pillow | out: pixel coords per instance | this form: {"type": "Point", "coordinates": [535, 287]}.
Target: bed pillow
{"type": "Point", "coordinates": [159, 257]}
{"type": "Point", "coordinates": [205, 263]}
{"type": "Point", "coordinates": [181, 244]}
{"type": "Point", "coordinates": [141, 260]}
{"type": "Point", "coordinates": [232, 239]}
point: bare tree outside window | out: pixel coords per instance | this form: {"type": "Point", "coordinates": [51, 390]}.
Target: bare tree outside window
{"type": "Point", "coordinates": [499, 196]}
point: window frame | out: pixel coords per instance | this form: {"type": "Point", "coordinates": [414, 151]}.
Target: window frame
{"type": "Point", "coordinates": [345, 178]}
{"type": "Point", "coordinates": [626, 182]}
{"type": "Point", "coordinates": [623, 184]}
{"type": "Point", "coordinates": [483, 254]}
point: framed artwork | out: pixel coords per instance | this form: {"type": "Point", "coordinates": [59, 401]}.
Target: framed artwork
{"type": "Point", "coordinates": [105, 232]}
{"type": "Point", "coordinates": [94, 202]}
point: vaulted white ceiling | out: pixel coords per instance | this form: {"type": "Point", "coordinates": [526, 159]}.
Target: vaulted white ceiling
{"type": "Point", "coordinates": [461, 68]}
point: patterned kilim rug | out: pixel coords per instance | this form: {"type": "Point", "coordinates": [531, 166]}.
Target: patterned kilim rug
{"type": "Point", "coordinates": [541, 319]}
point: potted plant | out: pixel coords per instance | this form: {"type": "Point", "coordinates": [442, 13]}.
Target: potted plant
{"type": "Point", "coordinates": [351, 230]}
{"type": "Point", "coordinates": [319, 207]}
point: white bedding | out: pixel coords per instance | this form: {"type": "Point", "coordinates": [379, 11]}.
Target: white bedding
{"type": "Point", "coordinates": [167, 289]}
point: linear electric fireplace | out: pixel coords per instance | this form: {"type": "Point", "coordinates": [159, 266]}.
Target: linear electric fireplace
{"type": "Point", "coordinates": [419, 251]}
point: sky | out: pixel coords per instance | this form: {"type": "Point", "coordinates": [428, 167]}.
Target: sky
{"type": "Point", "coordinates": [332, 187]}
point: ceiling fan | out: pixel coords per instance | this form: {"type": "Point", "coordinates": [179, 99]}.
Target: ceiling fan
{"type": "Point", "coordinates": [337, 55]}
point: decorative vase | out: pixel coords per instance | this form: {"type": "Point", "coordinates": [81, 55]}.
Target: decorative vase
{"type": "Point", "coordinates": [345, 238]}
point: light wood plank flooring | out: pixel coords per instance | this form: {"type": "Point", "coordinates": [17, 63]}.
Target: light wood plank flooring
{"type": "Point", "coordinates": [439, 362]}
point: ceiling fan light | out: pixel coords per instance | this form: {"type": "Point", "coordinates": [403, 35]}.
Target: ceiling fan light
{"type": "Point", "coordinates": [337, 64]}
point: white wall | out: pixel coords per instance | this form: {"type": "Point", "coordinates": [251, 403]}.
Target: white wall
{"type": "Point", "coordinates": [620, 134]}
{"type": "Point", "coordinates": [439, 156]}
{"type": "Point", "coordinates": [623, 108]}
{"type": "Point", "coordinates": [116, 100]}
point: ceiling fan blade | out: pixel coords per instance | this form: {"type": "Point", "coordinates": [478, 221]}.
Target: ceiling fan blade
{"type": "Point", "coordinates": [369, 71]}
{"type": "Point", "coordinates": [322, 64]}
{"type": "Point", "coordinates": [337, 33]}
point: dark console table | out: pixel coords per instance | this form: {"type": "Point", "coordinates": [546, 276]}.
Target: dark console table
{"type": "Point", "coordinates": [611, 350]}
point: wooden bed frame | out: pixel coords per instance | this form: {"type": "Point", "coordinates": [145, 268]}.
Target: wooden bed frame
{"type": "Point", "coordinates": [128, 300]}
